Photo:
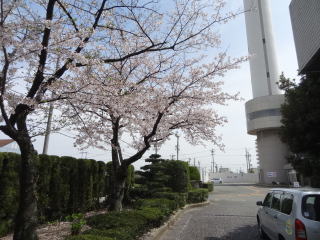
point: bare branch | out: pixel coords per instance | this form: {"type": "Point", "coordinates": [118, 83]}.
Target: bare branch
{"type": "Point", "coordinates": [69, 15]}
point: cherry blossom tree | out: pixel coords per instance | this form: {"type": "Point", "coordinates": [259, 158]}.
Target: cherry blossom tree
{"type": "Point", "coordinates": [47, 45]}
{"type": "Point", "coordinates": [149, 98]}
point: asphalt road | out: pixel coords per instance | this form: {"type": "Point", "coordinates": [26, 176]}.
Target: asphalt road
{"type": "Point", "coordinates": [231, 215]}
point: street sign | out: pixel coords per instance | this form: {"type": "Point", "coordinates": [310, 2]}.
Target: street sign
{"type": "Point", "coordinates": [272, 174]}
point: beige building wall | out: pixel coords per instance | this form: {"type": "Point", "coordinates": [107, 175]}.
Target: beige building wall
{"type": "Point", "coordinates": [272, 153]}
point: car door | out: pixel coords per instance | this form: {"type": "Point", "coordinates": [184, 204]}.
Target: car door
{"type": "Point", "coordinates": [264, 213]}
{"type": "Point", "coordinates": [311, 215]}
{"type": "Point", "coordinates": [273, 214]}
{"type": "Point", "coordinates": [284, 220]}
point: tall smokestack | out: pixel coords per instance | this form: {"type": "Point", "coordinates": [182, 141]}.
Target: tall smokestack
{"type": "Point", "coordinates": [263, 61]}
{"type": "Point", "coordinates": [263, 111]}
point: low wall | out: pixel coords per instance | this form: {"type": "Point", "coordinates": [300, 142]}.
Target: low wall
{"type": "Point", "coordinates": [236, 177]}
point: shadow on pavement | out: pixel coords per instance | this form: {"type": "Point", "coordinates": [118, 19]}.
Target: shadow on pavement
{"type": "Point", "coordinates": [248, 232]}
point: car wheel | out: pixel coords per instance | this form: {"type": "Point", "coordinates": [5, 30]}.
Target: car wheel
{"type": "Point", "coordinates": [262, 234]}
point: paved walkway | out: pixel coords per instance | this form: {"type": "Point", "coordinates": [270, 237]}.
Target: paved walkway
{"type": "Point", "coordinates": [231, 215]}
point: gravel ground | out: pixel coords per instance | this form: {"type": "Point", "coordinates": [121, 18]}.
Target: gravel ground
{"type": "Point", "coordinates": [58, 230]}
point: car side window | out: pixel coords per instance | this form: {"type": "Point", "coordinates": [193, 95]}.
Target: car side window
{"type": "Point", "coordinates": [311, 207]}
{"type": "Point", "coordinates": [267, 200]}
{"type": "Point", "coordinates": [276, 201]}
{"type": "Point", "coordinates": [287, 202]}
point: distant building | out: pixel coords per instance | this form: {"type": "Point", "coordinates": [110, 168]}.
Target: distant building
{"type": "Point", "coordinates": [224, 170]}
{"type": "Point", "coordinates": [230, 177]}
{"type": "Point", "coordinates": [9, 145]}
{"type": "Point", "coordinates": [305, 17]}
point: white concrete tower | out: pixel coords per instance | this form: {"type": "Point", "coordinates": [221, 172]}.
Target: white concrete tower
{"type": "Point", "coordinates": [263, 111]}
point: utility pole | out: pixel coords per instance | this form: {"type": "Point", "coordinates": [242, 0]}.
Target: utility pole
{"type": "Point", "coordinates": [177, 146]}
{"type": "Point", "coordinates": [48, 128]}
{"type": "Point", "coordinates": [247, 159]}
{"type": "Point", "coordinates": [212, 162]}
{"type": "Point", "coordinates": [203, 174]}
{"type": "Point", "coordinates": [156, 147]}
{"type": "Point", "coordinates": [194, 162]}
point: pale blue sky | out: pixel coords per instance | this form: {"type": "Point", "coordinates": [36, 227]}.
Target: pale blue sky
{"type": "Point", "coordinates": [234, 133]}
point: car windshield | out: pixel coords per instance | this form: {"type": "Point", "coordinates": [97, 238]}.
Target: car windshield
{"type": "Point", "coordinates": [311, 207]}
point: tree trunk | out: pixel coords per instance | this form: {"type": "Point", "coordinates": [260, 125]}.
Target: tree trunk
{"type": "Point", "coordinates": [118, 188]}
{"type": "Point", "coordinates": [26, 219]}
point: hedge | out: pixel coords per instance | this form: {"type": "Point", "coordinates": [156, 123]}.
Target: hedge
{"type": "Point", "coordinates": [9, 185]}
{"type": "Point", "coordinates": [180, 199]}
{"type": "Point", "coordinates": [194, 173]}
{"type": "Point", "coordinates": [197, 195]}
{"type": "Point", "coordinates": [65, 185]}
{"type": "Point", "coordinates": [130, 224]}
{"type": "Point", "coordinates": [208, 186]}
{"type": "Point", "coordinates": [166, 206]}
{"type": "Point", "coordinates": [164, 175]}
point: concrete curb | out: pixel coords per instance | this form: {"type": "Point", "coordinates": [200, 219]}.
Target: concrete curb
{"type": "Point", "coordinates": [156, 233]}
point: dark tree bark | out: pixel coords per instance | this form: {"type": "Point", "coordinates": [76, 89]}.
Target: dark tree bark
{"type": "Point", "coordinates": [120, 165]}
{"type": "Point", "coordinates": [120, 170]}
{"type": "Point", "coordinates": [118, 188]}
{"type": "Point", "coordinates": [26, 219]}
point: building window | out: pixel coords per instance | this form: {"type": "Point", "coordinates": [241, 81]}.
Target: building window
{"type": "Point", "coordinates": [264, 113]}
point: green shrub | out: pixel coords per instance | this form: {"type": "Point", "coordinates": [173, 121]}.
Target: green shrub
{"type": "Point", "coordinates": [179, 175]}
{"type": "Point", "coordinates": [179, 198]}
{"type": "Point", "coordinates": [6, 226]}
{"type": "Point", "coordinates": [197, 195]}
{"type": "Point", "coordinates": [129, 225]}
{"type": "Point", "coordinates": [166, 206]}
{"type": "Point", "coordinates": [117, 219]}
{"type": "Point", "coordinates": [77, 222]}
{"type": "Point", "coordinates": [65, 185]}
{"type": "Point", "coordinates": [195, 184]}
{"type": "Point", "coordinates": [154, 216]}
{"type": "Point", "coordinates": [118, 233]}
{"type": "Point", "coordinates": [208, 186]}
{"type": "Point", "coordinates": [194, 173]}
{"type": "Point", "coordinates": [164, 175]}
{"type": "Point", "coordinates": [9, 191]}
{"type": "Point", "coordinates": [124, 225]}
{"type": "Point", "coordinates": [138, 192]}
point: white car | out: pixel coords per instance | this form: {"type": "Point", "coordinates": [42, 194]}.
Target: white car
{"type": "Point", "coordinates": [217, 180]}
{"type": "Point", "coordinates": [290, 214]}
